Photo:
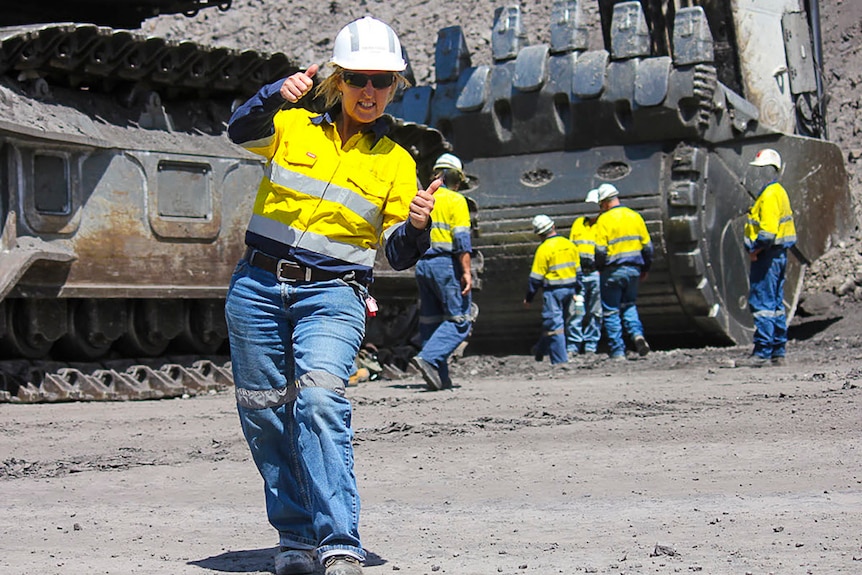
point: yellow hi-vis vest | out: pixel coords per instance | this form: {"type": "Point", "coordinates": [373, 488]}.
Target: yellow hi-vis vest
{"type": "Point", "coordinates": [317, 196]}
{"type": "Point", "coordinates": [556, 262]}
{"type": "Point", "coordinates": [583, 236]}
{"type": "Point", "coordinates": [770, 220]}
{"type": "Point", "coordinates": [450, 217]}
{"type": "Point", "coordinates": [621, 235]}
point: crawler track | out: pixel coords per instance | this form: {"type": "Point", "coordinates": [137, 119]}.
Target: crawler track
{"type": "Point", "coordinates": [102, 58]}
{"type": "Point", "coordinates": [23, 381]}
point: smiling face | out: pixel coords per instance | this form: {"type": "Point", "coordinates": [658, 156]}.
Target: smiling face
{"type": "Point", "coordinates": [363, 105]}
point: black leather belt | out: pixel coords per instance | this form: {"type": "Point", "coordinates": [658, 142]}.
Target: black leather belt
{"type": "Point", "coordinates": [288, 271]}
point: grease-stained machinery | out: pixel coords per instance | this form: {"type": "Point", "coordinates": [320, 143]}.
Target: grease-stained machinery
{"type": "Point", "coordinates": [123, 204]}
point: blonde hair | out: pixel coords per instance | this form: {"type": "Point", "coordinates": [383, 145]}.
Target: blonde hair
{"type": "Point", "coordinates": [328, 88]}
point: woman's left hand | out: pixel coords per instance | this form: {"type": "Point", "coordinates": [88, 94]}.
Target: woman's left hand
{"type": "Point", "coordinates": [422, 204]}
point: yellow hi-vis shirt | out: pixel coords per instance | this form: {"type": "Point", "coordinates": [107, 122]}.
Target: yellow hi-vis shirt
{"type": "Point", "coordinates": [583, 236]}
{"type": "Point", "coordinates": [556, 262]}
{"type": "Point", "coordinates": [450, 228]}
{"type": "Point", "coordinates": [770, 220]}
{"type": "Point", "coordinates": [316, 195]}
{"type": "Point", "coordinates": [622, 239]}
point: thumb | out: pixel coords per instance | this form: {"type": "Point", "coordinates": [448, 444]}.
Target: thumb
{"type": "Point", "coordinates": [312, 70]}
{"type": "Point", "coordinates": [434, 186]}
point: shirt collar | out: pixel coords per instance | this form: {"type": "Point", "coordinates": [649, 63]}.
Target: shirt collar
{"type": "Point", "coordinates": [380, 128]}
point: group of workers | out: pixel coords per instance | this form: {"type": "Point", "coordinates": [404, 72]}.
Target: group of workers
{"type": "Point", "coordinates": [589, 280]}
{"type": "Point", "coordinates": [336, 188]}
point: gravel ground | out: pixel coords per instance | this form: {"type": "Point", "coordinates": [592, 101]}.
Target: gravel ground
{"type": "Point", "coordinates": [673, 463]}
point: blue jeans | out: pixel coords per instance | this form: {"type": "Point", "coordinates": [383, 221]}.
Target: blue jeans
{"type": "Point", "coordinates": [766, 302]}
{"type": "Point", "coordinates": [584, 332]}
{"type": "Point", "coordinates": [555, 305]}
{"type": "Point", "coordinates": [444, 314]}
{"type": "Point", "coordinates": [293, 347]}
{"type": "Point", "coordinates": [619, 293]}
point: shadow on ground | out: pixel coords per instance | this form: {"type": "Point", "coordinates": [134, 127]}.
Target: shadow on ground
{"type": "Point", "coordinates": [259, 560]}
{"type": "Point", "coordinates": [242, 561]}
{"type": "Point", "coordinates": [806, 328]}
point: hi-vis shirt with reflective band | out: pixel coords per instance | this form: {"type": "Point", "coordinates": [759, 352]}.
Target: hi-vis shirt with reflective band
{"type": "Point", "coordinates": [770, 220]}
{"type": "Point", "coordinates": [556, 263]}
{"type": "Point", "coordinates": [622, 239]}
{"type": "Point", "coordinates": [450, 228]}
{"type": "Point", "coordinates": [318, 197]}
{"type": "Point", "coordinates": [583, 236]}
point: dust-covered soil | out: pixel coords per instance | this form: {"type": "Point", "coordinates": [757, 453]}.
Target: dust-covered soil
{"type": "Point", "coordinates": [673, 463]}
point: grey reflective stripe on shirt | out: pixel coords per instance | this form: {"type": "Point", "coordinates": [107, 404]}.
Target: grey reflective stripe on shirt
{"type": "Point", "coordinates": [270, 398]}
{"type": "Point", "coordinates": [623, 239]}
{"type": "Point", "coordinates": [260, 143]}
{"type": "Point", "coordinates": [621, 255]}
{"type": "Point", "coordinates": [348, 198]}
{"type": "Point", "coordinates": [275, 230]}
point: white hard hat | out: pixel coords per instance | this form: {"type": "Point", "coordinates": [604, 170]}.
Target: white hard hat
{"type": "Point", "coordinates": [767, 157]}
{"type": "Point", "coordinates": [368, 44]}
{"type": "Point", "coordinates": [449, 162]}
{"type": "Point", "coordinates": [607, 191]}
{"type": "Point", "coordinates": [542, 224]}
{"type": "Point", "coordinates": [592, 196]}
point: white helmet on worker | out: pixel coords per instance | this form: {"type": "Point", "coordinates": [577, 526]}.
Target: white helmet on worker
{"type": "Point", "coordinates": [368, 44]}
{"type": "Point", "coordinates": [449, 162]}
{"type": "Point", "coordinates": [607, 191]}
{"type": "Point", "coordinates": [592, 196]}
{"type": "Point", "coordinates": [767, 157]}
{"type": "Point", "coordinates": [542, 224]}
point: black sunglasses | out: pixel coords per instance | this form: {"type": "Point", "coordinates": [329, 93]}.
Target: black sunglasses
{"type": "Point", "coordinates": [358, 80]}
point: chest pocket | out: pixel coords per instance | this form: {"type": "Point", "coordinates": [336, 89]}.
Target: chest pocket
{"type": "Point", "coordinates": [305, 159]}
{"type": "Point", "coordinates": [370, 186]}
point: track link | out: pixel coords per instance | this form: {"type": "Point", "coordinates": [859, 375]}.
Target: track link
{"type": "Point", "coordinates": [100, 58]}
{"type": "Point", "coordinates": [23, 381]}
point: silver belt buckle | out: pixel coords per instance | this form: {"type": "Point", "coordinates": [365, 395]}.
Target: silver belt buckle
{"type": "Point", "coordinates": [293, 265]}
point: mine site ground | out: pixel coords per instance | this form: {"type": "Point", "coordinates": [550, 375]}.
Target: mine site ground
{"type": "Point", "coordinates": [672, 463]}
